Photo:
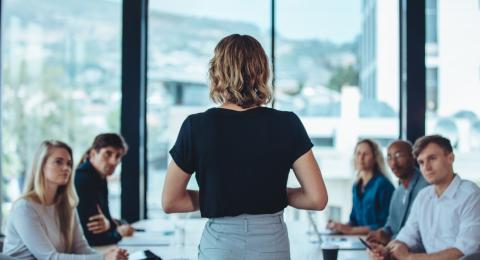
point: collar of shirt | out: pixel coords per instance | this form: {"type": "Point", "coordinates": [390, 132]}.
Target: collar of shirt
{"type": "Point", "coordinates": [88, 168]}
{"type": "Point", "coordinates": [371, 182]}
{"type": "Point", "coordinates": [451, 189]}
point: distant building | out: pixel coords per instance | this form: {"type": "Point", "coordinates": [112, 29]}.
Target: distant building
{"type": "Point", "coordinates": [452, 54]}
{"type": "Point", "coordinates": [379, 57]}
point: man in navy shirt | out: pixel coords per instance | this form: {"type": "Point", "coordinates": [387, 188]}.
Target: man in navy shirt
{"type": "Point", "coordinates": [99, 162]}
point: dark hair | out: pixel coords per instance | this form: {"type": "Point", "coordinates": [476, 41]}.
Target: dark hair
{"type": "Point", "coordinates": [424, 141]}
{"type": "Point", "coordinates": [105, 140]}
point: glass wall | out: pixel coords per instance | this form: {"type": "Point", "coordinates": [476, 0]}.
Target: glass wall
{"type": "Point", "coordinates": [337, 68]}
{"type": "Point", "coordinates": [60, 80]}
{"type": "Point", "coordinates": [182, 37]}
{"type": "Point", "coordinates": [453, 79]}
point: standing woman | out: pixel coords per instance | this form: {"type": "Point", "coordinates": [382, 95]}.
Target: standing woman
{"type": "Point", "coordinates": [43, 223]}
{"type": "Point", "coordinates": [372, 191]}
{"type": "Point", "coordinates": [241, 154]}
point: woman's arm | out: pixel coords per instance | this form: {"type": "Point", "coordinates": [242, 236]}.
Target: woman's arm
{"type": "Point", "coordinates": [351, 227]}
{"type": "Point", "coordinates": [80, 244]}
{"type": "Point", "coordinates": [175, 196]}
{"type": "Point", "coordinates": [346, 229]}
{"type": "Point", "coordinates": [312, 193]}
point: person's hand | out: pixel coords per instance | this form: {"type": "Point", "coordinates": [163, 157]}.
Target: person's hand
{"type": "Point", "coordinates": [330, 224]}
{"type": "Point", "coordinates": [378, 236]}
{"type": "Point", "coordinates": [125, 230]}
{"type": "Point", "coordinates": [116, 254]}
{"type": "Point", "coordinates": [98, 224]}
{"type": "Point", "coordinates": [400, 251]}
{"type": "Point", "coordinates": [333, 225]}
{"type": "Point", "coordinates": [378, 252]}
{"type": "Point", "coordinates": [339, 227]}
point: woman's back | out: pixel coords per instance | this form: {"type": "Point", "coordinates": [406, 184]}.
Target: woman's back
{"type": "Point", "coordinates": [241, 158]}
{"type": "Point", "coordinates": [242, 154]}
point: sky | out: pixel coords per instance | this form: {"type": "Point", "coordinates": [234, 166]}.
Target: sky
{"type": "Point", "coordinates": [337, 21]}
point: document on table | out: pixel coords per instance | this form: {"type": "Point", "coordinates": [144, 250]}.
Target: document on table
{"type": "Point", "coordinates": [137, 255]}
{"type": "Point", "coordinates": [345, 242]}
{"type": "Point", "coordinates": [151, 238]}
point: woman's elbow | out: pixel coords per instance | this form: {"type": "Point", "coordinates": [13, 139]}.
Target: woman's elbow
{"type": "Point", "coordinates": [168, 205]}
{"type": "Point", "coordinates": [320, 201]}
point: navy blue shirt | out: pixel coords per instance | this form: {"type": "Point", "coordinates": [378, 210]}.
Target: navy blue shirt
{"type": "Point", "coordinates": [371, 207]}
{"type": "Point", "coordinates": [241, 159]}
{"type": "Point", "coordinates": [92, 190]}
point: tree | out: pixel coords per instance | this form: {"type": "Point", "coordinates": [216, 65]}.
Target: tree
{"type": "Point", "coordinates": [342, 76]}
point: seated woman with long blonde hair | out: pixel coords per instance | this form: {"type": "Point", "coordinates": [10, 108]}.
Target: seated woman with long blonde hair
{"type": "Point", "coordinates": [371, 191]}
{"type": "Point", "coordinates": [43, 223]}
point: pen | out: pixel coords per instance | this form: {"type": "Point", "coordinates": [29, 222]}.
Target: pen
{"type": "Point", "coordinates": [365, 243]}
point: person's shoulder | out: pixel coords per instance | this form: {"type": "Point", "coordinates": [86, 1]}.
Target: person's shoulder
{"type": "Point", "coordinates": [199, 116]}
{"type": "Point", "coordinates": [21, 203]}
{"type": "Point", "coordinates": [422, 182]}
{"type": "Point", "coordinates": [282, 113]}
{"type": "Point", "coordinates": [469, 187]}
{"type": "Point", "coordinates": [84, 174]}
{"type": "Point", "coordinates": [382, 180]}
{"type": "Point", "coordinates": [285, 117]}
{"type": "Point", "coordinates": [23, 206]}
{"type": "Point", "coordinates": [425, 192]}
{"type": "Point", "coordinates": [84, 167]}
{"type": "Point", "coordinates": [380, 177]}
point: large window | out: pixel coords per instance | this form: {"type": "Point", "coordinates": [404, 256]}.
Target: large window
{"type": "Point", "coordinates": [337, 68]}
{"type": "Point", "coordinates": [453, 84]}
{"type": "Point", "coordinates": [60, 80]}
{"type": "Point", "coordinates": [182, 37]}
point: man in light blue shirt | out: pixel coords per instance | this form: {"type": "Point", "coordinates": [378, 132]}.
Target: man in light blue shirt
{"type": "Point", "coordinates": [401, 162]}
{"type": "Point", "coordinates": [445, 217]}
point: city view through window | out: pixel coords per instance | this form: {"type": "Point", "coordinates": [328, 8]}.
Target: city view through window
{"type": "Point", "coordinates": [61, 79]}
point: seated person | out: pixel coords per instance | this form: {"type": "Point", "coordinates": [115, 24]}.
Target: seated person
{"type": "Point", "coordinates": [445, 218]}
{"type": "Point", "coordinates": [371, 192]}
{"type": "Point", "coordinates": [43, 223]}
{"type": "Point", "coordinates": [99, 162]}
{"type": "Point", "coordinates": [401, 162]}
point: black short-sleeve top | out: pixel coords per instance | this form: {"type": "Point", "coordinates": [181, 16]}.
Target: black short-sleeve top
{"type": "Point", "coordinates": [241, 159]}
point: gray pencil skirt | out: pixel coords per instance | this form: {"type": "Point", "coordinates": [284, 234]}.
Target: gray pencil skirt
{"type": "Point", "coordinates": [245, 237]}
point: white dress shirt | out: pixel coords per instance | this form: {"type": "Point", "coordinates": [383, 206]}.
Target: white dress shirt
{"type": "Point", "coordinates": [449, 221]}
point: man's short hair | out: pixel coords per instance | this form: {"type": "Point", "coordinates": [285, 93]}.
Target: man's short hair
{"type": "Point", "coordinates": [424, 141]}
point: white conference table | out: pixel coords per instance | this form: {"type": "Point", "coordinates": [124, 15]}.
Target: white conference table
{"type": "Point", "coordinates": [160, 238]}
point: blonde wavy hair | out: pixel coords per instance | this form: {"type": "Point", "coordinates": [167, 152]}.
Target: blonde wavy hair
{"type": "Point", "coordinates": [379, 166]}
{"type": "Point", "coordinates": [239, 72]}
{"type": "Point", "coordinates": [66, 199]}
